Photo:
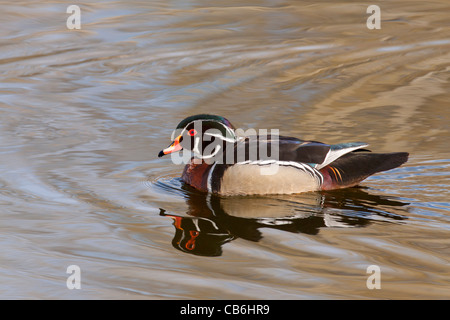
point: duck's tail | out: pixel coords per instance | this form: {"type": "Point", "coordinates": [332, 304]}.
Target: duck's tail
{"type": "Point", "coordinates": [352, 168]}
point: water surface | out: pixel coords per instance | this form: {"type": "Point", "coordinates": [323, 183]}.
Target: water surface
{"type": "Point", "coordinates": [85, 112]}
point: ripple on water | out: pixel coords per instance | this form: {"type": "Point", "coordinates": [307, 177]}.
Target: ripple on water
{"type": "Point", "coordinates": [84, 114]}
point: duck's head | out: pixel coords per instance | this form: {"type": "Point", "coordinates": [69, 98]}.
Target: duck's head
{"type": "Point", "coordinates": [203, 134]}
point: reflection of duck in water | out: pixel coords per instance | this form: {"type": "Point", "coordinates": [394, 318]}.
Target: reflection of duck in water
{"type": "Point", "coordinates": [228, 164]}
{"type": "Point", "coordinates": [213, 221]}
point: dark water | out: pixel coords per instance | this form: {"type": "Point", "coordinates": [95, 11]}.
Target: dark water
{"type": "Point", "coordinates": [84, 113]}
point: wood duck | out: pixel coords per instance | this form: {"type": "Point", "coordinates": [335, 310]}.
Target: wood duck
{"type": "Point", "coordinates": [228, 163]}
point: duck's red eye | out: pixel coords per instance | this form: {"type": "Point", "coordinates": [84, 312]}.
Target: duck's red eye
{"type": "Point", "coordinates": [192, 132]}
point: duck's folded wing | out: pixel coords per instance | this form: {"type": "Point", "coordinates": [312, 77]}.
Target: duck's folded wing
{"type": "Point", "coordinates": [315, 153]}
{"type": "Point", "coordinates": [288, 149]}
{"type": "Point", "coordinates": [350, 169]}
{"type": "Point", "coordinates": [311, 152]}
{"type": "Point", "coordinates": [338, 150]}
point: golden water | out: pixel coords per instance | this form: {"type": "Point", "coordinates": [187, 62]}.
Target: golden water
{"type": "Point", "coordinates": [84, 113]}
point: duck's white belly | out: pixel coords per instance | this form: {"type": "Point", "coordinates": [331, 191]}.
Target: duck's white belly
{"type": "Point", "coordinates": [280, 178]}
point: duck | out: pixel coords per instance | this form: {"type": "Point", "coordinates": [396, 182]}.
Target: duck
{"type": "Point", "coordinates": [220, 159]}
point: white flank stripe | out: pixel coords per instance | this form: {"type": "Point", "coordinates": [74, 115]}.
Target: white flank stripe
{"type": "Point", "coordinates": [304, 167]}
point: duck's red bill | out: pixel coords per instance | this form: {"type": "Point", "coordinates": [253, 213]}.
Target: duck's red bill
{"type": "Point", "coordinates": [174, 147]}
